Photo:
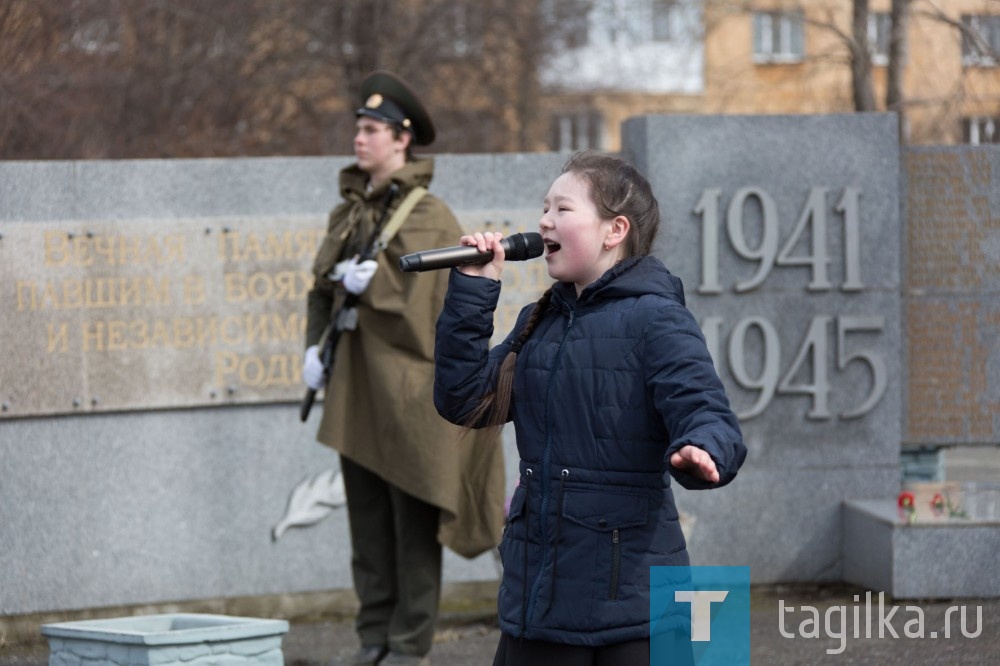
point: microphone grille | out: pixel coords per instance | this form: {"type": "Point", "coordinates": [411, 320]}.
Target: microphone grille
{"type": "Point", "coordinates": [525, 246]}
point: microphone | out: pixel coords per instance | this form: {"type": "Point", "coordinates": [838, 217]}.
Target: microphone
{"type": "Point", "coordinates": [516, 248]}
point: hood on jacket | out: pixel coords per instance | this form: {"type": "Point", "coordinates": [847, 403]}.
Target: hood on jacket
{"type": "Point", "coordinates": [634, 276]}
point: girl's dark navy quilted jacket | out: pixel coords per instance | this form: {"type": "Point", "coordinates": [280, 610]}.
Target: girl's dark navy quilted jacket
{"type": "Point", "coordinates": [607, 387]}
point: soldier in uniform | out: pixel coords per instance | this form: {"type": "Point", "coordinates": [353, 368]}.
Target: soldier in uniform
{"type": "Point", "coordinates": [414, 483]}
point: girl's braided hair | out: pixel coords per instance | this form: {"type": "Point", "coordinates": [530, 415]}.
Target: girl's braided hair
{"type": "Point", "coordinates": [616, 188]}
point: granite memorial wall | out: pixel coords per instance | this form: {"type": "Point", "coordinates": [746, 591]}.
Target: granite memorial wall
{"type": "Point", "coordinates": [150, 387]}
{"type": "Point", "coordinates": [153, 318]}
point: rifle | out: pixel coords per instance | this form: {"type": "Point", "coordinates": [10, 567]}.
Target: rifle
{"type": "Point", "coordinates": [346, 318]}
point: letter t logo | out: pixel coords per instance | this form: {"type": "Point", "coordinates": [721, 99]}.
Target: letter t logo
{"type": "Point", "coordinates": [701, 610]}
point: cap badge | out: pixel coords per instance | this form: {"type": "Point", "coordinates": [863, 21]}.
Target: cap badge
{"type": "Point", "coordinates": [374, 101]}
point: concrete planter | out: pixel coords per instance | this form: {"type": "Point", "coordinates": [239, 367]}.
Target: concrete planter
{"type": "Point", "coordinates": [167, 640]}
{"type": "Point", "coordinates": [946, 558]}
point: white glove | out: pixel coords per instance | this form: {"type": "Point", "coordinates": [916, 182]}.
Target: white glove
{"type": "Point", "coordinates": [358, 275]}
{"type": "Point", "coordinates": [312, 369]}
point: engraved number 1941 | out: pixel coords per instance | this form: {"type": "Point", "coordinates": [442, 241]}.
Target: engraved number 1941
{"type": "Point", "coordinates": [767, 252]}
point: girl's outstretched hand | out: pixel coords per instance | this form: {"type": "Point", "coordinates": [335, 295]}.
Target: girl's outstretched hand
{"type": "Point", "coordinates": [696, 462]}
{"type": "Point", "coordinates": [485, 242]}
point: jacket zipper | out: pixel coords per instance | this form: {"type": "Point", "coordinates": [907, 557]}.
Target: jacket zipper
{"type": "Point", "coordinates": [615, 563]}
{"type": "Point", "coordinates": [527, 536]}
{"type": "Point", "coordinates": [546, 470]}
{"type": "Point", "coordinates": [555, 541]}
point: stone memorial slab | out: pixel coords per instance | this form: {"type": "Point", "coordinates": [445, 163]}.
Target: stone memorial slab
{"type": "Point", "coordinates": [786, 232]}
{"type": "Point", "coordinates": [926, 559]}
{"type": "Point", "coordinates": [953, 295]}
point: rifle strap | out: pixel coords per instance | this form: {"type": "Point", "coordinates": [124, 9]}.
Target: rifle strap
{"type": "Point", "coordinates": [346, 317]}
{"type": "Point", "coordinates": [398, 217]}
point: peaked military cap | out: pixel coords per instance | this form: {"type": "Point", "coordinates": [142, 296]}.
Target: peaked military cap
{"type": "Point", "coordinates": [387, 98]}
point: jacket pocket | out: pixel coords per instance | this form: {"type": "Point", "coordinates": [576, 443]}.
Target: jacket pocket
{"type": "Point", "coordinates": [512, 597]}
{"type": "Point", "coordinates": [516, 509]}
{"type": "Point", "coordinates": [514, 542]}
{"type": "Point", "coordinates": [606, 516]}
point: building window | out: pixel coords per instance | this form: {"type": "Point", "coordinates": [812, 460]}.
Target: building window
{"type": "Point", "coordinates": [879, 36]}
{"type": "Point", "coordinates": [980, 40]}
{"type": "Point", "coordinates": [569, 21]}
{"type": "Point", "coordinates": [981, 130]}
{"type": "Point", "coordinates": [663, 12]}
{"type": "Point", "coordinates": [577, 131]}
{"type": "Point", "coordinates": [614, 22]}
{"type": "Point", "coordinates": [778, 37]}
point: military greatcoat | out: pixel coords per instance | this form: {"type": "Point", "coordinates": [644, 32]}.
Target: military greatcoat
{"type": "Point", "coordinates": [378, 408]}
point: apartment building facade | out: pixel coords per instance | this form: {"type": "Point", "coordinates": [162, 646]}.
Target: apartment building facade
{"type": "Point", "coordinates": [636, 57]}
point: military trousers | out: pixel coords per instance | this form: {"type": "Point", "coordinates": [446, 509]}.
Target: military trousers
{"type": "Point", "coordinates": [395, 562]}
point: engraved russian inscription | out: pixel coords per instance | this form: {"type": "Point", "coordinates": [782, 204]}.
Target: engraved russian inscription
{"type": "Point", "coordinates": [154, 314]}
{"type": "Point", "coordinates": [158, 314]}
